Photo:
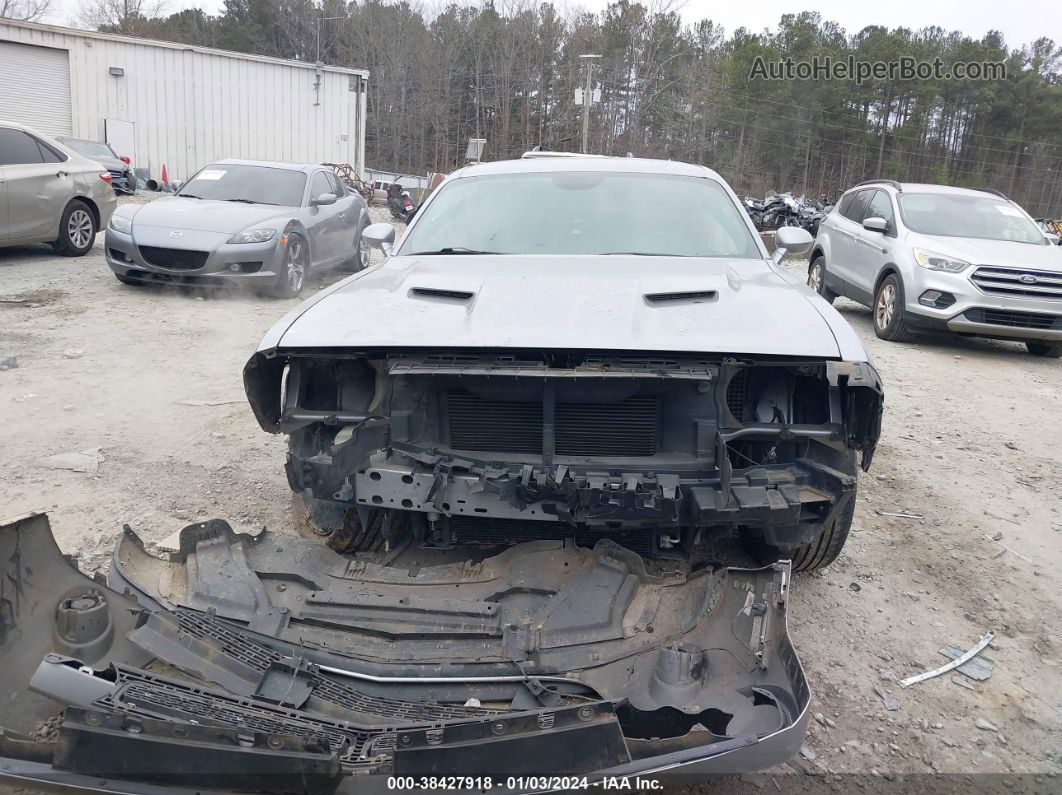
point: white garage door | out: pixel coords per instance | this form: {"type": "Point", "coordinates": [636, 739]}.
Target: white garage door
{"type": "Point", "coordinates": [35, 86]}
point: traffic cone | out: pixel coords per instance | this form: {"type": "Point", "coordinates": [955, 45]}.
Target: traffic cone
{"type": "Point", "coordinates": [165, 178]}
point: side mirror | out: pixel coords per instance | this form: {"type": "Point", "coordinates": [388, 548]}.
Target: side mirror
{"type": "Point", "coordinates": [876, 224]}
{"type": "Point", "coordinates": [1054, 238]}
{"type": "Point", "coordinates": [323, 200]}
{"type": "Point", "coordinates": [381, 236]}
{"type": "Point", "coordinates": [791, 240]}
{"type": "Point", "coordinates": [125, 159]}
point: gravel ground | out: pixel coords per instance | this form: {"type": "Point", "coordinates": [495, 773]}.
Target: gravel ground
{"type": "Point", "coordinates": [151, 379]}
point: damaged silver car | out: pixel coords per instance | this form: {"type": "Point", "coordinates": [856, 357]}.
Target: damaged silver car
{"type": "Point", "coordinates": [524, 438]}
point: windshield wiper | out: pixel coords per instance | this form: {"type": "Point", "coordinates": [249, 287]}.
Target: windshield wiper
{"type": "Point", "coordinates": [189, 196]}
{"type": "Point", "coordinates": [245, 201]}
{"type": "Point", "coordinates": [640, 254]}
{"type": "Point", "coordinates": [450, 250]}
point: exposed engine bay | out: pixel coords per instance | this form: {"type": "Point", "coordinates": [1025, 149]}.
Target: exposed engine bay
{"type": "Point", "coordinates": [271, 663]}
{"type": "Point", "coordinates": [655, 452]}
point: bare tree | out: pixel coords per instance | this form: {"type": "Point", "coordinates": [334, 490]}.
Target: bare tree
{"type": "Point", "coordinates": [30, 10]}
{"type": "Point", "coordinates": [121, 16]}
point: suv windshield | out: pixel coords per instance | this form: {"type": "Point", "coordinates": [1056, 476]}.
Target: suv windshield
{"type": "Point", "coordinates": [243, 183]}
{"type": "Point", "coordinates": [588, 213]}
{"type": "Point", "coordinates": [958, 215]}
{"type": "Point", "coordinates": [90, 148]}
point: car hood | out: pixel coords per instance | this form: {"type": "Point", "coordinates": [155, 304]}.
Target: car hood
{"type": "Point", "coordinates": [601, 303]}
{"type": "Point", "coordinates": [205, 215]}
{"type": "Point", "coordinates": [111, 163]}
{"type": "Point", "coordinates": [1002, 253]}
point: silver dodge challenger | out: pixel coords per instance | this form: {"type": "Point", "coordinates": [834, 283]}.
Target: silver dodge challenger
{"type": "Point", "coordinates": [267, 224]}
{"type": "Point", "coordinates": [524, 440]}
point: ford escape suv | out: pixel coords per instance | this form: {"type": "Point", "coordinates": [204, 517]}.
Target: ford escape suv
{"type": "Point", "coordinates": [937, 258]}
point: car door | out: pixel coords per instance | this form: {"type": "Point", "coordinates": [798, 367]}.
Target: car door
{"type": "Point", "coordinates": [346, 217]}
{"type": "Point", "coordinates": [872, 249]}
{"type": "Point", "coordinates": [36, 185]}
{"type": "Point", "coordinates": [321, 221]}
{"type": "Point", "coordinates": [844, 240]}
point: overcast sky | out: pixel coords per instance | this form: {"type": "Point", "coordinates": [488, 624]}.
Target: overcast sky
{"type": "Point", "coordinates": [1021, 21]}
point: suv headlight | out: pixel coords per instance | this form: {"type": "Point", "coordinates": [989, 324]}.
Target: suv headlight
{"type": "Point", "coordinates": [119, 223]}
{"type": "Point", "coordinates": [939, 262]}
{"type": "Point", "coordinates": [253, 236]}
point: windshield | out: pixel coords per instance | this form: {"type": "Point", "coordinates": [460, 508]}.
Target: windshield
{"type": "Point", "coordinates": [586, 213]}
{"type": "Point", "coordinates": [90, 148]}
{"type": "Point", "coordinates": [958, 215]}
{"type": "Point", "coordinates": [251, 184]}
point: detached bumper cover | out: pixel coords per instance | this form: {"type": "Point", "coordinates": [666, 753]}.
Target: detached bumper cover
{"type": "Point", "coordinates": [271, 664]}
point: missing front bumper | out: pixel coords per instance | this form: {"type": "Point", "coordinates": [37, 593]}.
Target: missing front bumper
{"type": "Point", "coordinates": [270, 663]}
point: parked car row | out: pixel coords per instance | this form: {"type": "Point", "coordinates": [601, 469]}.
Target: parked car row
{"type": "Point", "coordinates": [937, 258]}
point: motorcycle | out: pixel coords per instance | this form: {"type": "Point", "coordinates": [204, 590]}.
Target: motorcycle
{"type": "Point", "coordinates": [400, 203]}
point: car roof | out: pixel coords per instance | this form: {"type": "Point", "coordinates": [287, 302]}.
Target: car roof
{"type": "Point", "coordinates": [542, 162]}
{"type": "Point", "coordinates": [922, 187]}
{"type": "Point", "coordinates": [232, 161]}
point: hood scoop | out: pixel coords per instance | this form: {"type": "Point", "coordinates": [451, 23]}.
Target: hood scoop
{"type": "Point", "coordinates": [439, 294]}
{"type": "Point", "coordinates": [683, 297]}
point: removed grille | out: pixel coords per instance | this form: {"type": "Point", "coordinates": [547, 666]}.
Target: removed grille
{"type": "Point", "coordinates": [625, 428]}
{"type": "Point", "coordinates": [176, 259]}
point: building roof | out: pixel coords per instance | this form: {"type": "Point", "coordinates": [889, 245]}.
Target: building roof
{"type": "Point", "coordinates": [170, 45]}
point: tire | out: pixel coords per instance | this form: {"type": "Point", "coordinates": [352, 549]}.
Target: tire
{"type": "Point", "coordinates": [359, 261]}
{"type": "Point", "coordinates": [292, 277]}
{"type": "Point", "coordinates": [77, 230]}
{"type": "Point", "coordinates": [887, 312]}
{"type": "Point", "coordinates": [823, 550]}
{"type": "Point", "coordinates": [131, 183]}
{"type": "Point", "coordinates": [817, 279]}
{"type": "Point", "coordinates": [127, 280]}
{"type": "Point", "coordinates": [1049, 350]}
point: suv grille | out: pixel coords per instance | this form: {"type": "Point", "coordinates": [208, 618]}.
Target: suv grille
{"type": "Point", "coordinates": [626, 428]}
{"type": "Point", "coordinates": [1005, 317]}
{"type": "Point", "coordinates": [1009, 281]}
{"type": "Point", "coordinates": [176, 259]}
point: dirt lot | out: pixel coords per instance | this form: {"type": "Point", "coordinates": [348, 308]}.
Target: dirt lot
{"type": "Point", "coordinates": [151, 379]}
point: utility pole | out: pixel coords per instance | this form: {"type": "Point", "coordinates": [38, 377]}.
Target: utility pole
{"type": "Point", "coordinates": [588, 99]}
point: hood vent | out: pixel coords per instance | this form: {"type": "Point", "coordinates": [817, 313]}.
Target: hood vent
{"type": "Point", "coordinates": [446, 295]}
{"type": "Point", "coordinates": [685, 297]}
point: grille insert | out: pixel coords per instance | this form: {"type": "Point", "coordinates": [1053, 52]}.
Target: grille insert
{"type": "Point", "coordinates": [177, 259]}
{"type": "Point", "coordinates": [1018, 282]}
{"type": "Point", "coordinates": [1011, 319]}
{"type": "Point", "coordinates": [625, 428]}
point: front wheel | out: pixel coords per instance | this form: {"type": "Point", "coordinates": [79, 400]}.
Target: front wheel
{"type": "Point", "coordinates": [888, 310]}
{"type": "Point", "coordinates": [360, 261]}
{"type": "Point", "coordinates": [77, 230]}
{"type": "Point", "coordinates": [1049, 350]}
{"type": "Point", "coordinates": [292, 275]}
{"type": "Point", "coordinates": [817, 279]}
{"type": "Point", "coordinates": [824, 549]}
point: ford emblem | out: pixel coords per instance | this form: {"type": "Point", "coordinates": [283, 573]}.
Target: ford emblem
{"type": "Point", "coordinates": [1027, 278]}
{"type": "Point", "coordinates": [178, 233]}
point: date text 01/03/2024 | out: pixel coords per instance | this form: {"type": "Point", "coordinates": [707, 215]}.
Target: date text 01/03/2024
{"type": "Point", "coordinates": [522, 783]}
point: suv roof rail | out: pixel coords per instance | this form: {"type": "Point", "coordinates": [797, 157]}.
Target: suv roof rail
{"type": "Point", "coordinates": [998, 193]}
{"type": "Point", "coordinates": [890, 182]}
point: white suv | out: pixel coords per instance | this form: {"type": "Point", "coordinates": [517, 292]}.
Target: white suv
{"type": "Point", "coordinates": [936, 258]}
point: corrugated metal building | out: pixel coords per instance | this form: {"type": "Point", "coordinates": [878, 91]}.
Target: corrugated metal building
{"type": "Point", "coordinates": [178, 105]}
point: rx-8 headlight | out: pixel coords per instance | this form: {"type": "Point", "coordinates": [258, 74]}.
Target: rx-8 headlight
{"type": "Point", "coordinates": [253, 236]}
{"type": "Point", "coordinates": [119, 223]}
